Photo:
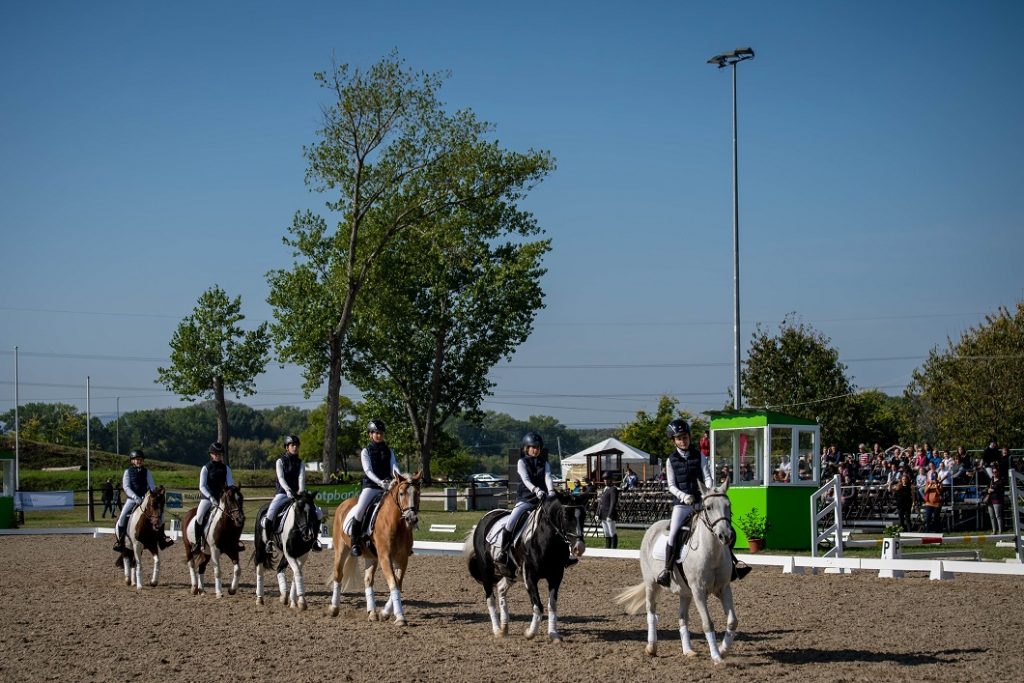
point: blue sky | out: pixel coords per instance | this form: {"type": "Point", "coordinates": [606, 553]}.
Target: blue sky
{"type": "Point", "coordinates": [150, 151]}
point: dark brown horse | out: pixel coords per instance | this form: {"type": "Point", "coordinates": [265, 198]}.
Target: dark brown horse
{"type": "Point", "coordinates": [221, 535]}
{"type": "Point", "coordinates": [390, 548]}
{"type": "Point", "coordinates": [145, 531]}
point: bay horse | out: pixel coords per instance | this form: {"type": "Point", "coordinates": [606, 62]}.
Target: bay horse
{"type": "Point", "coordinates": [552, 531]}
{"type": "Point", "coordinates": [144, 532]}
{"type": "Point", "coordinates": [298, 533]}
{"type": "Point", "coordinates": [220, 537]}
{"type": "Point", "coordinates": [389, 548]}
{"type": "Point", "coordinates": [707, 567]}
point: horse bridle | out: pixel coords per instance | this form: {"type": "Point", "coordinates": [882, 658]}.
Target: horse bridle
{"type": "Point", "coordinates": [706, 518]}
{"type": "Point", "coordinates": [237, 515]}
{"type": "Point", "coordinates": [570, 537]}
{"type": "Point", "coordinates": [413, 509]}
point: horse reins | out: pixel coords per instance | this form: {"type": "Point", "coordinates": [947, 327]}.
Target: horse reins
{"type": "Point", "coordinates": [704, 517]}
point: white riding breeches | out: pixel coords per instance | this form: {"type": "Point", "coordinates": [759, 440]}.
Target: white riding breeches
{"type": "Point", "coordinates": [366, 498]}
{"type": "Point", "coordinates": [126, 513]}
{"type": "Point", "coordinates": [679, 513]}
{"type": "Point", "coordinates": [521, 508]}
{"type": "Point", "coordinates": [609, 527]}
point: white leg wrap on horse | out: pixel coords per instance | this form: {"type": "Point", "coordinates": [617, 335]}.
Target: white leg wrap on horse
{"type": "Point", "coordinates": [492, 609]}
{"type": "Point", "coordinates": [713, 645]}
{"type": "Point", "coordinates": [282, 583]}
{"type": "Point", "coordinates": [652, 627]}
{"type": "Point", "coordinates": [552, 615]}
{"type": "Point", "coordinates": [396, 602]}
{"type": "Point", "coordinates": [335, 593]}
{"type": "Point", "coordinates": [371, 604]}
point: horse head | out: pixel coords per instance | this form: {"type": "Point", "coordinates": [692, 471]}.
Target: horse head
{"type": "Point", "coordinates": [567, 514]}
{"type": "Point", "coordinates": [306, 521]}
{"type": "Point", "coordinates": [153, 509]}
{"type": "Point", "coordinates": [406, 491]}
{"type": "Point", "coordinates": [231, 501]}
{"type": "Point", "coordinates": [716, 512]}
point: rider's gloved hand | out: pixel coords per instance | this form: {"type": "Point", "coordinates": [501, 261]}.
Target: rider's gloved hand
{"type": "Point", "coordinates": [688, 499]}
{"type": "Point", "coordinates": [541, 494]}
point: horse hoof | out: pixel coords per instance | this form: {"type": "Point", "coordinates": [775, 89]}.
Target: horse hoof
{"type": "Point", "coordinates": [555, 638]}
{"type": "Point", "coordinates": [284, 599]}
{"type": "Point", "coordinates": [332, 611]}
{"type": "Point", "coordinates": [651, 650]}
{"type": "Point", "coordinates": [232, 591]}
{"type": "Point", "coordinates": [530, 634]}
{"type": "Point", "coordinates": [372, 615]}
{"type": "Point", "coordinates": [259, 600]}
{"type": "Point", "coordinates": [400, 621]}
{"type": "Point", "coordinates": [691, 653]}
{"type": "Point", "coordinates": [152, 584]}
{"type": "Point", "coordinates": [195, 591]}
{"type": "Point", "coordinates": [301, 606]}
{"type": "Point", "coordinates": [220, 596]}
{"type": "Point", "coordinates": [717, 660]}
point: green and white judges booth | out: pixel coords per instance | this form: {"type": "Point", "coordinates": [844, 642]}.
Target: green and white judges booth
{"type": "Point", "coordinates": [771, 460]}
{"type": "Point", "coordinates": [6, 489]}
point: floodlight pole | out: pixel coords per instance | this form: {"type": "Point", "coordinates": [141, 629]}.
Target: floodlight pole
{"type": "Point", "coordinates": [723, 60]}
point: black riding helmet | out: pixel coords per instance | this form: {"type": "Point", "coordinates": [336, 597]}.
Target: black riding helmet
{"type": "Point", "coordinates": [376, 426]}
{"type": "Point", "coordinates": [137, 453]}
{"type": "Point", "coordinates": [677, 428]}
{"type": "Point", "coordinates": [291, 439]}
{"type": "Point", "coordinates": [217, 448]}
{"type": "Point", "coordinates": [533, 439]}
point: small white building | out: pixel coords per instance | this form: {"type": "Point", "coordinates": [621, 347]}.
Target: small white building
{"type": "Point", "coordinates": [611, 455]}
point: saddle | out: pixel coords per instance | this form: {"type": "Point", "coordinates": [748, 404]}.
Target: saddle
{"type": "Point", "coordinates": [367, 529]}
{"type": "Point", "coordinates": [527, 521]}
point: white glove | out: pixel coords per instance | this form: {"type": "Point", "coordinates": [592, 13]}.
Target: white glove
{"type": "Point", "coordinates": [688, 499]}
{"type": "Point", "coordinates": [385, 484]}
{"type": "Point", "coordinates": [541, 494]}
{"type": "Point", "coordinates": [551, 494]}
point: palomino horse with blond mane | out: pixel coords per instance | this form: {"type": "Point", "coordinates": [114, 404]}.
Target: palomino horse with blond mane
{"type": "Point", "coordinates": [145, 531]}
{"type": "Point", "coordinates": [705, 569]}
{"type": "Point", "coordinates": [221, 535]}
{"type": "Point", "coordinates": [389, 547]}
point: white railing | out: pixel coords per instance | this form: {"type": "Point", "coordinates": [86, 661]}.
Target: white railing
{"type": "Point", "coordinates": [1016, 491]}
{"type": "Point", "coordinates": [834, 531]}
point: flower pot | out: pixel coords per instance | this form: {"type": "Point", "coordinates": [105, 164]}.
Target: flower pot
{"type": "Point", "coordinates": [755, 545]}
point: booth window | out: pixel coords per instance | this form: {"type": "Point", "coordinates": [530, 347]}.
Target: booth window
{"type": "Point", "coordinates": [781, 455]}
{"type": "Point", "coordinates": [738, 455]}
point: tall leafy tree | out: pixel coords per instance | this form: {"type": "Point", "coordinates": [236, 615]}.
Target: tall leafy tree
{"type": "Point", "coordinates": [797, 371]}
{"type": "Point", "coordinates": [972, 390]}
{"type": "Point", "coordinates": [458, 300]}
{"type": "Point", "coordinates": [647, 432]}
{"type": "Point", "coordinates": [211, 355]}
{"type": "Point", "coordinates": [392, 160]}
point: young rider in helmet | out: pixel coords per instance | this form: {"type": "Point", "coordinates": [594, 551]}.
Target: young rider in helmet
{"type": "Point", "coordinates": [291, 481]}
{"type": "Point", "coordinates": [685, 467]}
{"type": "Point", "coordinates": [379, 466]}
{"type": "Point", "coordinates": [535, 485]}
{"type": "Point", "coordinates": [213, 479]}
{"type": "Point", "coordinates": [137, 481]}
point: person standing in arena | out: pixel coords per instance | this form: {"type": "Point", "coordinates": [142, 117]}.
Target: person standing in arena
{"type": "Point", "coordinates": [608, 512]}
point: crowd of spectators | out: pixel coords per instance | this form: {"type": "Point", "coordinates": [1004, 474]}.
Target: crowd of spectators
{"type": "Point", "coordinates": [922, 478]}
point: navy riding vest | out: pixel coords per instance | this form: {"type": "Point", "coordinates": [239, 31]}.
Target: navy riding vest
{"type": "Point", "coordinates": [687, 471]}
{"type": "Point", "coordinates": [535, 474]}
{"type": "Point", "coordinates": [138, 481]}
{"type": "Point", "coordinates": [380, 463]}
{"type": "Point", "coordinates": [216, 477]}
{"type": "Point", "coordinates": [292, 468]}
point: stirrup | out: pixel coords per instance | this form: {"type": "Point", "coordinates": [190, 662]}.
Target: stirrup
{"type": "Point", "coordinates": [316, 547]}
{"type": "Point", "coordinates": [739, 570]}
{"type": "Point", "coordinates": [665, 578]}
{"type": "Point", "coordinates": [165, 542]}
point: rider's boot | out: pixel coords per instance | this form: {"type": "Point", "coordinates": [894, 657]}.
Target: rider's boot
{"type": "Point", "coordinates": [119, 546]}
{"type": "Point", "coordinates": [505, 557]}
{"type": "Point", "coordinates": [197, 547]}
{"type": "Point", "coordinates": [739, 569]}
{"type": "Point", "coordinates": [357, 537]}
{"type": "Point", "coordinates": [665, 577]}
{"type": "Point", "coordinates": [615, 541]}
{"type": "Point", "coordinates": [608, 542]}
{"type": "Point", "coordinates": [268, 533]}
{"type": "Point", "coordinates": [165, 541]}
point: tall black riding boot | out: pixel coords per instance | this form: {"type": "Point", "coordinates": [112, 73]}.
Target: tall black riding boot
{"type": "Point", "coordinates": [739, 569]}
{"type": "Point", "coordinates": [615, 541]}
{"type": "Point", "coordinates": [665, 577]}
{"type": "Point", "coordinates": [165, 540]}
{"type": "Point", "coordinates": [607, 541]}
{"type": "Point", "coordinates": [119, 546]}
{"type": "Point", "coordinates": [357, 537]}
{"type": "Point", "coordinates": [268, 534]}
{"type": "Point", "coordinates": [197, 547]}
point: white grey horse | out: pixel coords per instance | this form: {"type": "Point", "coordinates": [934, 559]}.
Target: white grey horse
{"type": "Point", "coordinates": [707, 566]}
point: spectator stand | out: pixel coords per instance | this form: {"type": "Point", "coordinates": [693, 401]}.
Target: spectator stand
{"type": "Point", "coordinates": [7, 485]}
{"type": "Point", "coordinates": [772, 464]}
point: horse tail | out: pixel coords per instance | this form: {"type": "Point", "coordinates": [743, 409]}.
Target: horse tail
{"type": "Point", "coordinates": [469, 554]}
{"type": "Point", "coordinates": [351, 575]}
{"type": "Point", "coordinates": [633, 599]}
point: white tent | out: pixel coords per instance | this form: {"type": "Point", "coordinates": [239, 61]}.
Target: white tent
{"type": "Point", "coordinates": [609, 455]}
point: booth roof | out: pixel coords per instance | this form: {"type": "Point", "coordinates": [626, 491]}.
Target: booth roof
{"type": "Point", "coordinates": [608, 446]}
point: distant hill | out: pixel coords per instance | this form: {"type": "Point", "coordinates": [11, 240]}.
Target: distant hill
{"type": "Point", "coordinates": [37, 455]}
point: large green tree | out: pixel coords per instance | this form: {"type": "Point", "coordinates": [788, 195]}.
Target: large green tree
{"type": "Point", "coordinates": [972, 390]}
{"type": "Point", "coordinates": [392, 160]}
{"type": "Point", "coordinates": [459, 299]}
{"type": "Point", "coordinates": [797, 371]}
{"type": "Point", "coordinates": [212, 355]}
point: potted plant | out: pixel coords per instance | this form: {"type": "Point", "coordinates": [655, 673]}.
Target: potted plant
{"type": "Point", "coordinates": [755, 527]}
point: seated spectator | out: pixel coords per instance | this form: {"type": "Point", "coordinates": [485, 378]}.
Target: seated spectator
{"type": "Point", "coordinates": [919, 484]}
{"type": "Point", "coordinates": [849, 490]}
{"type": "Point", "coordinates": [577, 488]}
{"type": "Point", "coordinates": [747, 473]}
{"type": "Point", "coordinates": [863, 460]}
